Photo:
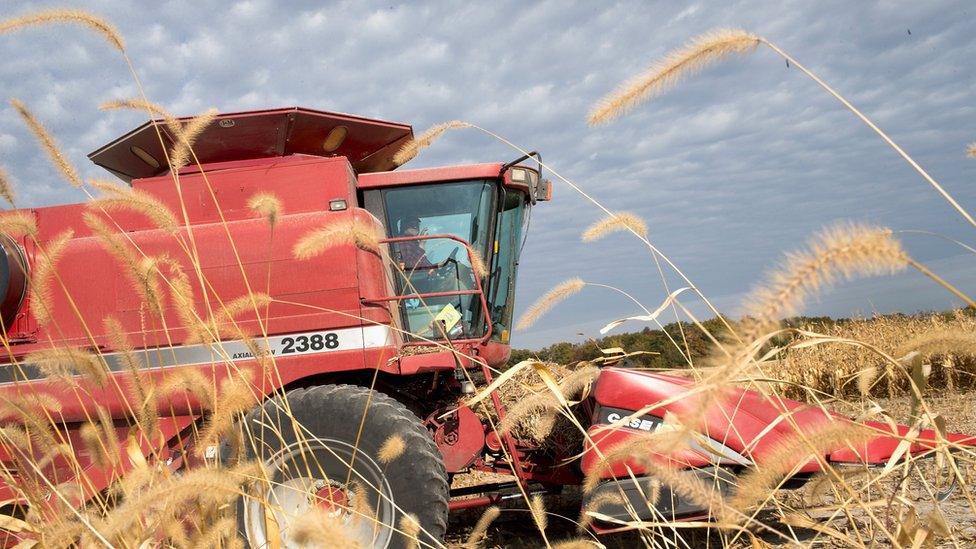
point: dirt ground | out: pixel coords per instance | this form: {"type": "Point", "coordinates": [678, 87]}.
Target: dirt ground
{"type": "Point", "coordinates": [515, 528]}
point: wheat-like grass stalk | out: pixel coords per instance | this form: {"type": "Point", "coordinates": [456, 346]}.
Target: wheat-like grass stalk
{"type": "Point", "coordinates": [7, 188]}
{"type": "Point", "coordinates": [267, 205]}
{"type": "Point", "coordinates": [204, 486]}
{"type": "Point", "coordinates": [714, 45]}
{"type": "Point", "coordinates": [119, 197]}
{"type": "Point", "coordinates": [186, 134]}
{"type": "Point", "coordinates": [44, 266]}
{"type": "Point", "coordinates": [537, 507]}
{"type": "Point", "coordinates": [238, 306]}
{"type": "Point", "coordinates": [844, 251]}
{"type": "Point", "coordinates": [234, 397]}
{"type": "Point", "coordinates": [317, 528]}
{"type": "Point", "coordinates": [645, 450]}
{"type": "Point", "coordinates": [136, 104]}
{"type": "Point", "coordinates": [391, 449]}
{"type": "Point", "coordinates": [189, 380]}
{"type": "Point", "coordinates": [102, 440]}
{"type": "Point", "coordinates": [66, 362]}
{"type": "Point", "coordinates": [575, 544]}
{"type": "Point", "coordinates": [363, 235]}
{"type": "Point", "coordinates": [62, 15]}
{"type": "Point", "coordinates": [361, 508]}
{"type": "Point", "coordinates": [146, 411]}
{"type": "Point", "coordinates": [478, 264]}
{"type": "Point", "coordinates": [33, 412]}
{"type": "Point", "coordinates": [412, 148]}
{"type": "Point", "coordinates": [865, 379]}
{"type": "Point", "coordinates": [48, 143]}
{"type": "Point", "coordinates": [141, 270]}
{"type": "Point", "coordinates": [479, 532]}
{"type": "Point", "coordinates": [665, 74]}
{"type": "Point", "coordinates": [410, 528]}
{"type": "Point", "coordinates": [18, 223]}
{"type": "Point", "coordinates": [217, 534]}
{"type": "Point", "coordinates": [755, 485]}
{"type": "Point", "coordinates": [939, 341]}
{"type": "Point", "coordinates": [556, 295]}
{"type": "Point", "coordinates": [619, 221]}
{"type": "Point", "coordinates": [595, 503]}
{"type": "Point", "coordinates": [536, 412]}
{"type": "Point", "coordinates": [184, 302]}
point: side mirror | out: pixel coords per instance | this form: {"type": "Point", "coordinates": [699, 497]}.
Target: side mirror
{"type": "Point", "coordinates": [543, 191]}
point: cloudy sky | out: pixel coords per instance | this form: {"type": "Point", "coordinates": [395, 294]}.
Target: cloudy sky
{"type": "Point", "coordinates": [730, 170]}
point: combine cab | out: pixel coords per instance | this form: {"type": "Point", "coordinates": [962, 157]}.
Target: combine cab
{"type": "Point", "coordinates": [369, 345]}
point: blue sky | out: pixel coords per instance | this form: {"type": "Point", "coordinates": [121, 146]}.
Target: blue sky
{"type": "Point", "coordinates": [730, 170]}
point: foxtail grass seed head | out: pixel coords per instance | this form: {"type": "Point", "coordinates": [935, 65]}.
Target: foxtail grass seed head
{"type": "Point", "coordinates": [391, 449]}
{"type": "Point", "coordinates": [135, 104]}
{"type": "Point", "coordinates": [413, 147]}
{"type": "Point", "coordinates": [254, 302]}
{"type": "Point", "coordinates": [267, 205]}
{"type": "Point", "coordinates": [55, 16]}
{"type": "Point", "coordinates": [19, 223]}
{"type": "Point", "coordinates": [971, 150]}
{"type": "Point", "coordinates": [234, 398]}
{"type": "Point", "coordinates": [620, 221]}
{"type": "Point", "coordinates": [478, 265]}
{"type": "Point", "coordinates": [845, 251]}
{"type": "Point", "coordinates": [553, 297]}
{"type": "Point", "coordinates": [755, 485]}
{"type": "Point", "coordinates": [48, 143]}
{"type": "Point", "coordinates": [939, 340]}
{"type": "Point", "coordinates": [186, 134]}
{"type": "Point", "coordinates": [480, 530]}
{"type": "Point", "coordinates": [668, 72]}
{"type": "Point", "coordinates": [118, 197]}
{"type": "Point", "coordinates": [598, 501]}
{"type": "Point", "coordinates": [6, 188]}
{"type": "Point", "coordinates": [865, 379]}
{"type": "Point", "coordinates": [575, 544]}
{"type": "Point", "coordinates": [64, 363]}
{"type": "Point", "coordinates": [364, 236]}
{"type": "Point", "coordinates": [317, 528]}
{"type": "Point", "coordinates": [538, 509]}
{"type": "Point", "coordinates": [40, 286]}
{"type": "Point", "coordinates": [410, 529]}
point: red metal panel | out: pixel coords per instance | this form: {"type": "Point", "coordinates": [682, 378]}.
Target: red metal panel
{"type": "Point", "coordinates": [322, 291]}
{"type": "Point", "coordinates": [748, 422]}
{"type": "Point", "coordinates": [429, 175]}
{"type": "Point", "coordinates": [745, 421]}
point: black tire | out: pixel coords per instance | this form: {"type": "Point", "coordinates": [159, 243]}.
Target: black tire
{"type": "Point", "coordinates": [330, 416]}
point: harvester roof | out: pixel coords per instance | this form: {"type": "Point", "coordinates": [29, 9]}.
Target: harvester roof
{"type": "Point", "coordinates": [369, 144]}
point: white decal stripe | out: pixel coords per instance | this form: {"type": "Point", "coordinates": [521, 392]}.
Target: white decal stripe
{"type": "Point", "coordinates": [281, 346]}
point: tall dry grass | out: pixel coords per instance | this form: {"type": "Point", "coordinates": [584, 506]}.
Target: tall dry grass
{"type": "Point", "coordinates": [151, 504]}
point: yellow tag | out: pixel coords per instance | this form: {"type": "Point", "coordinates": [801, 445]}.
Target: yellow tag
{"type": "Point", "coordinates": [449, 316]}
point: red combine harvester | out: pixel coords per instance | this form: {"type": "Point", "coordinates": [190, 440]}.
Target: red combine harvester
{"type": "Point", "coordinates": [344, 321]}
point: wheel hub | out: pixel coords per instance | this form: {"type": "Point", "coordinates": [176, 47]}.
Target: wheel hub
{"type": "Point", "coordinates": [331, 498]}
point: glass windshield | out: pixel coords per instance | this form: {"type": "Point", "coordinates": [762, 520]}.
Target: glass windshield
{"type": "Point", "coordinates": [436, 265]}
{"type": "Point", "coordinates": [501, 289]}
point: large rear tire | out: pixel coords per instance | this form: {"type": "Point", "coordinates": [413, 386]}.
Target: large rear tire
{"type": "Point", "coordinates": [314, 469]}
